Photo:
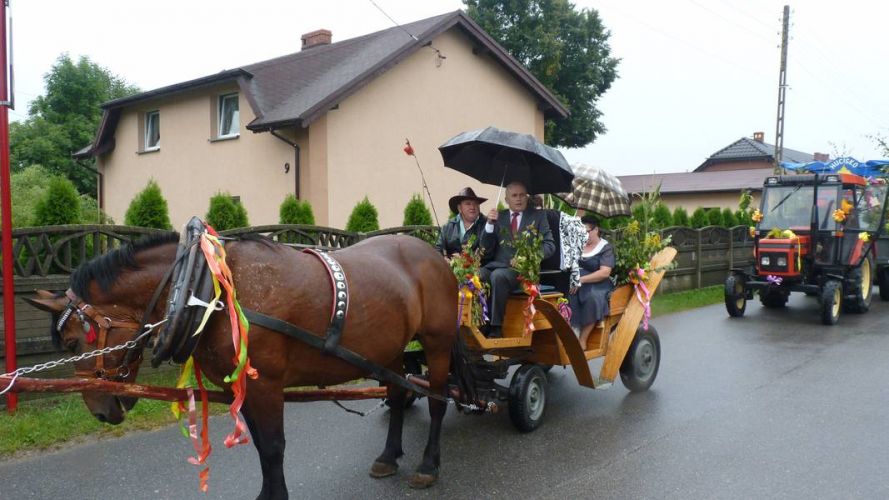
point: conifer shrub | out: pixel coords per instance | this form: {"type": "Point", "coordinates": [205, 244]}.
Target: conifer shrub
{"type": "Point", "coordinates": [714, 217]}
{"type": "Point", "coordinates": [364, 218]}
{"type": "Point", "coordinates": [60, 204]}
{"type": "Point", "coordinates": [728, 218]}
{"type": "Point", "coordinates": [295, 211]}
{"type": "Point", "coordinates": [699, 218]}
{"type": "Point", "coordinates": [149, 209]}
{"type": "Point", "coordinates": [224, 213]}
{"type": "Point", "coordinates": [680, 217]}
{"type": "Point", "coordinates": [416, 213]}
{"type": "Point", "coordinates": [662, 216]}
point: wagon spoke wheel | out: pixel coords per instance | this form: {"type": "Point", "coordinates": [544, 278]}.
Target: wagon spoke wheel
{"type": "Point", "coordinates": [527, 397]}
{"type": "Point", "coordinates": [642, 361]}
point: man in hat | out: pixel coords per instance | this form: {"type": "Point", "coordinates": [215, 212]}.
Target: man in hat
{"type": "Point", "coordinates": [469, 221]}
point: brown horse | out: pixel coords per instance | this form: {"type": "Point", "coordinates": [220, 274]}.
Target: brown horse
{"type": "Point", "coordinates": [399, 287]}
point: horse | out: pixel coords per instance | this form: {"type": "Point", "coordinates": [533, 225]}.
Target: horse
{"type": "Point", "coordinates": [400, 288]}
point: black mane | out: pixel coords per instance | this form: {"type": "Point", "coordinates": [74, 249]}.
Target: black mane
{"type": "Point", "coordinates": [105, 269]}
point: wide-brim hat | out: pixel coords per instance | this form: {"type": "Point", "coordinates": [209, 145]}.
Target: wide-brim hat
{"type": "Point", "coordinates": [465, 194]}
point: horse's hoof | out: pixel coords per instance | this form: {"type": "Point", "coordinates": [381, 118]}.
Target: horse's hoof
{"type": "Point", "coordinates": [420, 481]}
{"type": "Point", "coordinates": [381, 469]}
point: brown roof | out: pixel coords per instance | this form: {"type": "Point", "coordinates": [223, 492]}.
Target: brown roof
{"type": "Point", "coordinates": [747, 149]}
{"type": "Point", "coordinates": [296, 89]}
{"type": "Point", "coordinates": [696, 182]}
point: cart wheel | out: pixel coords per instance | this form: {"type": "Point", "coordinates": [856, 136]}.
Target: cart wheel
{"type": "Point", "coordinates": [831, 302]}
{"type": "Point", "coordinates": [883, 282]}
{"type": "Point", "coordinates": [735, 296]}
{"type": "Point", "coordinates": [862, 283]}
{"type": "Point", "coordinates": [773, 299]}
{"type": "Point", "coordinates": [527, 397]}
{"type": "Point", "coordinates": [643, 359]}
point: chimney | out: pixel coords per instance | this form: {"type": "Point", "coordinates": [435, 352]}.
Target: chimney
{"type": "Point", "coordinates": [316, 38]}
{"type": "Point", "coordinates": [822, 157]}
{"type": "Point", "coordinates": [759, 136]}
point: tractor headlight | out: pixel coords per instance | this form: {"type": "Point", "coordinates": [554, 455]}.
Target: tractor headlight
{"type": "Point", "coordinates": [782, 261]}
{"type": "Point", "coordinates": [765, 260]}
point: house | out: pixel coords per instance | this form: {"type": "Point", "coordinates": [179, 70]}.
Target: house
{"type": "Point", "coordinates": [719, 181]}
{"type": "Point", "coordinates": [327, 123]}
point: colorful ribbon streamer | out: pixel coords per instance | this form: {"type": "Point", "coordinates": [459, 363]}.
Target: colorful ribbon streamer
{"type": "Point", "coordinates": [533, 291]}
{"type": "Point", "coordinates": [637, 277]}
{"type": "Point", "coordinates": [774, 280]}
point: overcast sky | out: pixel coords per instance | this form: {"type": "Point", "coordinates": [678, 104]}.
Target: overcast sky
{"type": "Point", "coordinates": [695, 75]}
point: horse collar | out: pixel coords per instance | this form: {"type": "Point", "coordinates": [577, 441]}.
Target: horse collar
{"type": "Point", "coordinates": [340, 305]}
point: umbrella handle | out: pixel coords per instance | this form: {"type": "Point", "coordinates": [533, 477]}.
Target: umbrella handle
{"type": "Point", "coordinates": [500, 193]}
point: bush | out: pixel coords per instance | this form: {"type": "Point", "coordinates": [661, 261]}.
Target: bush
{"type": "Point", "coordinates": [680, 217]}
{"type": "Point", "coordinates": [728, 218]}
{"type": "Point", "coordinates": [225, 213]}
{"type": "Point", "coordinates": [416, 213]}
{"type": "Point", "coordinates": [295, 211]}
{"type": "Point", "coordinates": [364, 218]}
{"type": "Point", "coordinates": [744, 218]}
{"type": "Point", "coordinates": [90, 213]}
{"type": "Point", "coordinates": [60, 204]}
{"type": "Point", "coordinates": [662, 216]}
{"type": "Point", "coordinates": [148, 209]}
{"type": "Point", "coordinates": [699, 218]}
{"type": "Point", "coordinates": [714, 217]}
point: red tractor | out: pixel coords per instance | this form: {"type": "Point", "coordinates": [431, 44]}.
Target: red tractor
{"type": "Point", "coordinates": [815, 234]}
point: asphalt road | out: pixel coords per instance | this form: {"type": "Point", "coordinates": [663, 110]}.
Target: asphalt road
{"type": "Point", "coordinates": [773, 405]}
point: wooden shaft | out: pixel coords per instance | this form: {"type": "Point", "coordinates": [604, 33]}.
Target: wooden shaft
{"type": "Point", "coordinates": [23, 384]}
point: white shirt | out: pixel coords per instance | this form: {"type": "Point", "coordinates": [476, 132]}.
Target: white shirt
{"type": "Point", "coordinates": [489, 227]}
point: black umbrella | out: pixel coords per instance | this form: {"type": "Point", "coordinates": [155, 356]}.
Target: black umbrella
{"type": "Point", "coordinates": [498, 157]}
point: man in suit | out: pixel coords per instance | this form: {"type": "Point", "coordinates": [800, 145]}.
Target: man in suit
{"type": "Point", "coordinates": [497, 239]}
{"type": "Point", "coordinates": [469, 221]}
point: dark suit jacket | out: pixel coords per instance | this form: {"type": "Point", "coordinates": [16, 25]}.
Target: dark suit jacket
{"type": "Point", "coordinates": [503, 253]}
{"type": "Point", "coordinates": [449, 240]}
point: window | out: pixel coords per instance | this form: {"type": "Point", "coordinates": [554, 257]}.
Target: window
{"type": "Point", "coordinates": [228, 115]}
{"type": "Point", "coordinates": [152, 138]}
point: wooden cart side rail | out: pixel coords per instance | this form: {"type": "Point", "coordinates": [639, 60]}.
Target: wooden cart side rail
{"type": "Point", "coordinates": [632, 316]}
{"type": "Point", "coordinates": [24, 384]}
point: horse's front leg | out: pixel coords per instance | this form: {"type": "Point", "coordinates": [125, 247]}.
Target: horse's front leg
{"type": "Point", "coordinates": [387, 463]}
{"type": "Point", "coordinates": [438, 361]}
{"type": "Point", "coordinates": [264, 414]}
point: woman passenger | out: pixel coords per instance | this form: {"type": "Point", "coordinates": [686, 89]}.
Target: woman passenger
{"type": "Point", "coordinates": [589, 302]}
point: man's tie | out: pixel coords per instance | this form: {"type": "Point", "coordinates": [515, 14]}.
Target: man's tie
{"type": "Point", "coordinates": [515, 223]}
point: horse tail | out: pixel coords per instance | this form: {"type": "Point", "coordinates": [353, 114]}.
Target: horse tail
{"type": "Point", "coordinates": [462, 370]}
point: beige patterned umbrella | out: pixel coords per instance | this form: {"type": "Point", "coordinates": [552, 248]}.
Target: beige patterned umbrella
{"type": "Point", "coordinates": [597, 191]}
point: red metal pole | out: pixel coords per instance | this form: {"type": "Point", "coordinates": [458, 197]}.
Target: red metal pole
{"type": "Point", "coordinates": [6, 214]}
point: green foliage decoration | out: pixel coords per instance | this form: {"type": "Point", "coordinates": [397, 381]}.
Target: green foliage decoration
{"type": "Point", "coordinates": [416, 213]}
{"type": "Point", "coordinates": [60, 204]}
{"type": "Point", "coordinates": [639, 240]}
{"type": "Point", "coordinates": [148, 209]}
{"type": "Point", "coordinates": [294, 211]}
{"type": "Point", "coordinates": [224, 213]}
{"type": "Point", "coordinates": [364, 218]}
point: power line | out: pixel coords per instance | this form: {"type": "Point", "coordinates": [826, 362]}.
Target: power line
{"type": "Point", "coordinates": [393, 20]}
{"type": "Point", "coordinates": [730, 21]}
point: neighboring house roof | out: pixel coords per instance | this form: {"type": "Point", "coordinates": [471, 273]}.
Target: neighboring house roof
{"type": "Point", "coordinates": [296, 89]}
{"type": "Point", "coordinates": [747, 149]}
{"type": "Point", "coordinates": [696, 182]}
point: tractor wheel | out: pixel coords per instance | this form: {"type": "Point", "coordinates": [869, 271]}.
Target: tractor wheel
{"type": "Point", "coordinates": [735, 296]}
{"type": "Point", "coordinates": [883, 282]}
{"type": "Point", "coordinates": [862, 282]}
{"type": "Point", "coordinates": [831, 302]}
{"type": "Point", "coordinates": [642, 361]}
{"type": "Point", "coordinates": [773, 298]}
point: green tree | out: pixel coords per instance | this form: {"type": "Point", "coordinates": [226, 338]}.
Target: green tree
{"type": "Point", "coordinates": [728, 218]}
{"type": "Point", "coordinates": [60, 204]}
{"type": "Point", "coordinates": [714, 217]}
{"type": "Point", "coordinates": [65, 120]}
{"type": "Point", "coordinates": [566, 49]}
{"type": "Point", "coordinates": [224, 213]}
{"type": "Point", "coordinates": [364, 218]}
{"type": "Point", "coordinates": [416, 213]}
{"type": "Point", "coordinates": [293, 211]}
{"type": "Point", "coordinates": [699, 218]}
{"type": "Point", "coordinates": [744, 218]}
{"type": "Point", "coordinates": [680, 217]}
{"type": "Point", "coordinates": [662, 216]}
{"type": "Point", "coordinates": [149, 209]}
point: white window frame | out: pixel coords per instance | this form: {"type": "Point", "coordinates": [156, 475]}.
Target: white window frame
{"type": "Point", "coordinates": [221, 107]}
{"type": "Point", "coordinates": [147, 137]}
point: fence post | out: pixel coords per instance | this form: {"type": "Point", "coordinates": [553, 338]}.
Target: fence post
{"type": "Point", "coordinates": [699, 258]}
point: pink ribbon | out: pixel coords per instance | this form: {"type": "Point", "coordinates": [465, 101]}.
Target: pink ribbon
{"type": "Point", "coordinates": [774, 280]}
{"type": "Point", "coordinates": [639, 284]}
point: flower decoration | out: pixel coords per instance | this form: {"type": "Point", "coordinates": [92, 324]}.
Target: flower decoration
{"type": "Point", "coordinates": [774, 280]}
{"type": "Point", "coordinates": [757, 216]}
{"type": "Point", "coordinates": [465, 266]}
{"type": "Point", "coordinates": [564, 309]}
{"type": "Point", "coordinates": [839, 215]}
{"type": "Point", "coordinates": [846, 206]}
{"type": "Point", "coordinates": [752, 231]}
{"type": "Point", "coordinates": [865, 236]}
{"type": "Point", "coordinates": [528, 246]}
{"type": "Point", "coordinates": [408, 149]}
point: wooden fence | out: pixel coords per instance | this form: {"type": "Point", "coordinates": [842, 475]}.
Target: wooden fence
{"type": "Point", "coordinates": [46, 256]}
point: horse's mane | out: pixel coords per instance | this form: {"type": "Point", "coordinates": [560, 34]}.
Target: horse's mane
{"type": "Point", "coordinates": [105, 270]}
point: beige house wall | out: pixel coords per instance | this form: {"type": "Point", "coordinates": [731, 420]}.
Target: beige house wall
{"type": "Point", "coordinates": [427, 101]}
{"type": "Point", "coordinates": [190, 168]}
{"type": "Point", "coordinates": [707, 200]}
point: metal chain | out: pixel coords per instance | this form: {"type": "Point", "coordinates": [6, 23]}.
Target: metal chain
{"type": "Point", "coordinates": [130, 344]}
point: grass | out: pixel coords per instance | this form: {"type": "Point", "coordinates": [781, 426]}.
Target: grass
{"type": "Point", "coordinates": [680, 301]}
{"type": "Point", "coordinates": [48, 423]}
{"type": "Point", "coordinates": [42, 424]}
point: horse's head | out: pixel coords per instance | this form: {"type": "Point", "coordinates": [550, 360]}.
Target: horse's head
{"type": "Point", "coordinates": [103, 308]}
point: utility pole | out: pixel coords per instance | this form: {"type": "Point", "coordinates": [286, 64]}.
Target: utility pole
{"type": "Point", "coordinates": [6, 209]}
{"type": "Point", "coordinates": [782, 92]}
